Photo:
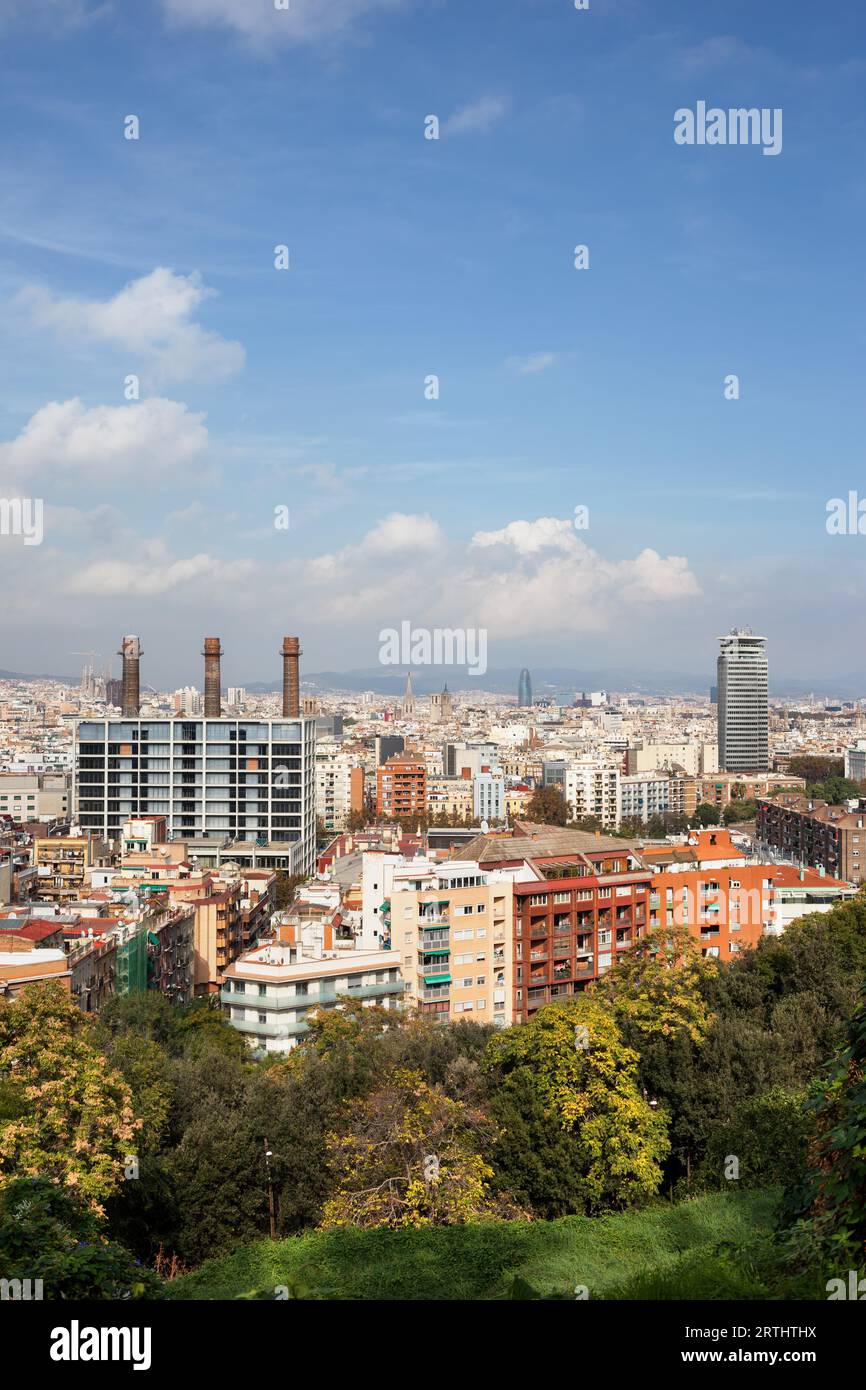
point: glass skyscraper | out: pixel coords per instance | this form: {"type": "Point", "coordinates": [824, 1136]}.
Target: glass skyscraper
{"type": "Point", "coordinates": [524, 690]}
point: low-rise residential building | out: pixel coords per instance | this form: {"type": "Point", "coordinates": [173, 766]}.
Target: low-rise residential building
{"type": "Point", "coordinates": [268, 992]}
{"type": "Point", "coordinates": [21, 968]}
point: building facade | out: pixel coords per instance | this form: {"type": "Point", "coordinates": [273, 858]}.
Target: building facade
{"type": "Point", "coordinates": [743, 708]}
{"type": "Point", "coordinates": [814, 834]}
{"type": "Point", "coordinates": [401, 788]}
{"type": "Point", "coordinates": [211, 778]}
{"type": "Point", "coordinates": [269, 991]}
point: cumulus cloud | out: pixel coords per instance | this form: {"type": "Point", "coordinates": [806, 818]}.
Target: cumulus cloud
{"type": "Point", "coordinates": [476, 118]}
{"type": "Point", "coordinates": [529, 578]}
{"type": "Point", "coordinates": [528, 537]}
{"type": "Point", "coordinates": [143, 442]}
{"type": "Point", "coordinates": [150, 318]}
{"type": "Point", "coordinates": [304, 21]}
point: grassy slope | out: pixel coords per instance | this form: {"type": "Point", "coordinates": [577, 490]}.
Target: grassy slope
{"type": "Point", "coordinates": [476, 1262]}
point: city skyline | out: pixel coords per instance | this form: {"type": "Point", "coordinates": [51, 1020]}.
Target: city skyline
{"type": "Point", "coordinates": [539, 497]}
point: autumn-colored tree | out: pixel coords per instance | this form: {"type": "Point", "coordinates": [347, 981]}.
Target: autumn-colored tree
{"type": "Point", "coordinates": [408, 1155]}
{"type": "Point", "coordinates": [77, 1125]}
{"type": "Point", "coordinates": [657, 986]}
{"type": "Point", "coordinates": [547, 806]}
{"type": "Point", "coordinates": [572, 1059]}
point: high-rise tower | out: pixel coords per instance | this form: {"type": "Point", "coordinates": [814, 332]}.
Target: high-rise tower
{"type": "Point", "coordinates": [524, 690]}
{"type": "Point", "coordinates": [743, 702]}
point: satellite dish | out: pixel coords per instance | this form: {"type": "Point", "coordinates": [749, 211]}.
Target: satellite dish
{"type": "Point", "coordinates": [484, 827]}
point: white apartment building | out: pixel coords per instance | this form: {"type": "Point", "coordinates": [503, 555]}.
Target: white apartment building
{"type": "Point", "coordinates": [592, 788]}
{"type": "Point", "coordinates": [334, 786]}
{"type": "Point", "coordinates": [644, 794]}
{"type": "Point", "coordinates": [268, 992]}
{"type": "Point", "coordinates": [488, 796]}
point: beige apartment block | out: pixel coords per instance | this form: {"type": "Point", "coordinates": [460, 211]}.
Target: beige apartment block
{"type": "Point", "coordinates": [453, 940]}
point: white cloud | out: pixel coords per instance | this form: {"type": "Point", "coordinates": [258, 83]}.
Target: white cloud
{"type": "Point", "coordinates": [396, 536]}
{"type": "Point", "coordinates": [154, 571]}
{"type": "Point", "coordinates": [476, 118]}
{"type": "Point", "coordinates": [531, 578]}
{"type": "Point", "coordinates": [529, 537]}
{"type": "Point", "coordinates": [305, 21]}
{"type": "Point", "coordinates": [536, 362]}
{"type": "Point", "coordinates": [142, 442]}
{"type": "Point", "coordinates": [149, 318]}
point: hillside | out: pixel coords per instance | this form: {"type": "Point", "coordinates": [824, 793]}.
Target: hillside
{"type": "Point", "coordinates": [657, 1252]}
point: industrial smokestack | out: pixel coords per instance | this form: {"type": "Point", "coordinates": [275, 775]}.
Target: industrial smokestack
{"type": "Point", "coordinates": [130, 699]}
{"type": "Point", "coordinates": [212, 653]}
{"type": "Point", "coordinates": [291, 677]}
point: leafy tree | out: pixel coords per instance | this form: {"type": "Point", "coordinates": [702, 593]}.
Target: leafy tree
{"type": "Point", "coordinates": [828, 1209]}
{"type": "Point", "coordinates": [408, 1155]}
{"type": "Point", "coordinates": [219, 1170]}
{"type": "Point", "coordinates": [585, 1081]}
{"type": "Point", "coordinates": [767, 1135]}
{"type": "Point", "coordinates": [285, 888]}
{"type": "Point", "coordinates": [48, 1233]}
{"type": "Point", "coordinates": [78, 1124]}
{"type": "Point", "coordinates": [656, 988]}
{"type": "Point", "coordinates": [706, 814]}
{"type": "Point", "coordinates": [736, 812]}
{"type": "Point", "coordinates": [201, 1026]}
{"type": "Point", "coordinates": [548, 806]}
{"type": "Point", "coordinates": [813, 768]}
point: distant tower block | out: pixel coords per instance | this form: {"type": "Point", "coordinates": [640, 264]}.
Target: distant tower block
{"type": "Point", "coordinates": [291, 652]}
{"type": "Point", "coordinates": [212, 689]}
{"type": "Point", "coordinates": [524, 690]}
{"type": "Point", "coordinates": [130, 700]}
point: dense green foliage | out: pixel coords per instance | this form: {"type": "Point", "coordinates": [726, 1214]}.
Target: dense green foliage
{"type": "Point", "coordinates": [482, 1261]}
{"type": "Point", "coordinates": [673, 1077]}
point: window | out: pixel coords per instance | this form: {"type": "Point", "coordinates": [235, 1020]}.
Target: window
{"type": "Point", "coordinates": [480, 979]}
{"type": "Point", "coordinates": [481, 1003]}
{"type": "Point", "coordinates": [408, 936]}
{"type": "Point", "coordinates": [263, 1018]}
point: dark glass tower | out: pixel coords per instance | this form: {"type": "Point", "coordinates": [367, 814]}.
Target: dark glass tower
{"type": "Point", "coordinates": [524, 690]}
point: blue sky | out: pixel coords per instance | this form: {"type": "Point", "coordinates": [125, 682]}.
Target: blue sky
{"type": "Point", "coordinates": [411, 257]}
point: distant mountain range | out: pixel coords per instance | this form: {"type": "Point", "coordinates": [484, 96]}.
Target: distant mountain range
{"type": "Point", "coordinates": [548, 681]}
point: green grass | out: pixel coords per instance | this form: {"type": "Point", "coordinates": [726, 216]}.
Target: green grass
{"type": "Point", "coordinates": [657, 1252]}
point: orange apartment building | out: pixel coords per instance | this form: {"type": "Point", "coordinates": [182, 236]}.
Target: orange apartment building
{"type": "Point", "coordinates": [401, 788]}
{"type": "Point", "coordinates": [728, 910]}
